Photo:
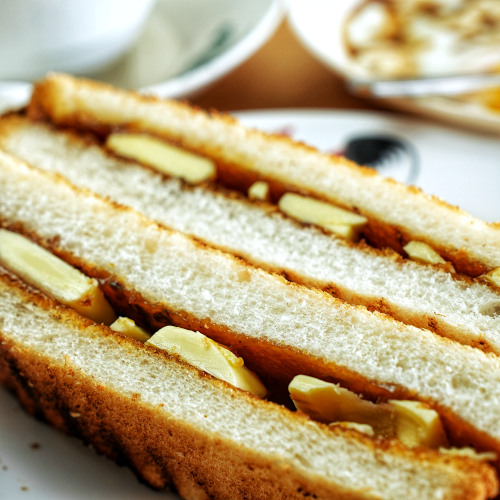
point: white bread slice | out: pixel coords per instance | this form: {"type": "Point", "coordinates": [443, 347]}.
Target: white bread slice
{"type": "Point", "coordinates": [279, 328]}
{"type": "Point", "coordinates": [413, 293]}
{"type": "Point", "coordinates": [397, 213]}
{"type": "Point", "coordinates": [177, 427]}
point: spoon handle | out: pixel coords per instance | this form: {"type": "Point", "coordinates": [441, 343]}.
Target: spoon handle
{"type": "Point", "coordinates": [420, 87]}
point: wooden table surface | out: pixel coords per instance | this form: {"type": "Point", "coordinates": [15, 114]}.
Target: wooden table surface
{"type": "Point", "coordinates": [281, 74]}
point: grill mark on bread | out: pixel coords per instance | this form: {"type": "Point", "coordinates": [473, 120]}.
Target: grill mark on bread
{"type": "Point", "coordinates": [57, 413]}
{"type": "Point", "coordinates": [16, 382]}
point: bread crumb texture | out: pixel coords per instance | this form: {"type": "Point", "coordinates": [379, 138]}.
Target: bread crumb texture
{"type": "Point", "coordinates": [163, 419]}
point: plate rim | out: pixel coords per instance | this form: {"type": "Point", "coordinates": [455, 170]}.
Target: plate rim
{"type": "Point", "coordinates": [447, 110]}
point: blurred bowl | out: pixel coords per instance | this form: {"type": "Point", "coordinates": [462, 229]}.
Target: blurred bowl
{"type": "Point", "coordinates": [75, 36]}
{"type": "Point", "coordinates": [184, 47]}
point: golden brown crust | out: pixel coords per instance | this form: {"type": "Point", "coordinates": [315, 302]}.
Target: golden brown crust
{"type": "Point", "coordinates": [276, 364]}
{"type": "Point", "coordinates": [292, 360]}
{"type": "Point", "coordinates": [166, 452]}
{"type": "Point", "coordinates": [10, 124]}
{"type": "Point", "coordinates": [163, 453]}
{"type": "Point", "coordinates": [44, 105]}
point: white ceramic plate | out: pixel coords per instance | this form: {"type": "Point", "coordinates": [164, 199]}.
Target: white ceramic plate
{"type": "Point", "coordinates": [185, 46]}
{"type": "Point", "coordinates": [40, 463]}
{"type": "Point", "coordinates": [37, 462]}
{"type": "Point", "coordinates": [318, 24]}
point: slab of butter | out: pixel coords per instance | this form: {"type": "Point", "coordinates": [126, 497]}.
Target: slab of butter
{"type": "Point", "coordinates": [259, 191]}
{"type": "Point", "coordinates": [128, 327]}
{"type": "Point", "coordinates": [412, 422]}
{"type": "Point", "coordinates": [335, 219]}
{"type": "Point", "coordinates": [163, 157]}
{"type": "Point", "coordinates": [417, 424]}
{"type": "Point", "coordinates": [422, 252]}
{"type": "Point", "coordinates": [52, 275]}
{"type": "Point", "coordinates": [207, 355]}
{"type": "Point", "coordinates": [328, 402]}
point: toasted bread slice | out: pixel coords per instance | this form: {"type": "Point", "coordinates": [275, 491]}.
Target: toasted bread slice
{"type": "Point", "coordinates": [176, 427]}
{"type": "Point", "coordinates": [417, 294]}
{"type": "Point", "coordinates": [279, 328]}
{"type": "Point", "coordinates": [396, 213]}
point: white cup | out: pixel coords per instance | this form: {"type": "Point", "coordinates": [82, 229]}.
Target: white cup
{"type": "Point", "coordinates": [74, 36]}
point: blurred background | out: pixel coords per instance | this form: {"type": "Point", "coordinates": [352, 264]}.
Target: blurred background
{"type": "Point", "coordinates": [237, 55]}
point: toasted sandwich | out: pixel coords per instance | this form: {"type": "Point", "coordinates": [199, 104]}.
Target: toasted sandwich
{"type": "Point", "coordinates": [396, 214]}
{"type": "Point", "coordinates": [450, 304]}
{"type": "Point", "coordinates": [177, 427]}
{"type": "Point", "coordinates": [323, 394]}
{"type": "Point", "coordinates": [160, 277]}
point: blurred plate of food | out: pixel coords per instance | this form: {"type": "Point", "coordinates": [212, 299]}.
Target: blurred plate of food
{"type": "Point", "coordinates": [183, 47]}
{"type": "Point", "coordinates": [396, 39]}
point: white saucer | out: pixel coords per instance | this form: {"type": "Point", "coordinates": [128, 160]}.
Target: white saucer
{"type": "Point", "coordinates": [318, 24]}
{"type": "Point", "coordinates": [201, 42]}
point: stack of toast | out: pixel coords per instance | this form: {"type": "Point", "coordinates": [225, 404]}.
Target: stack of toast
{"type": "Point", "coordinates": [365, 312]}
